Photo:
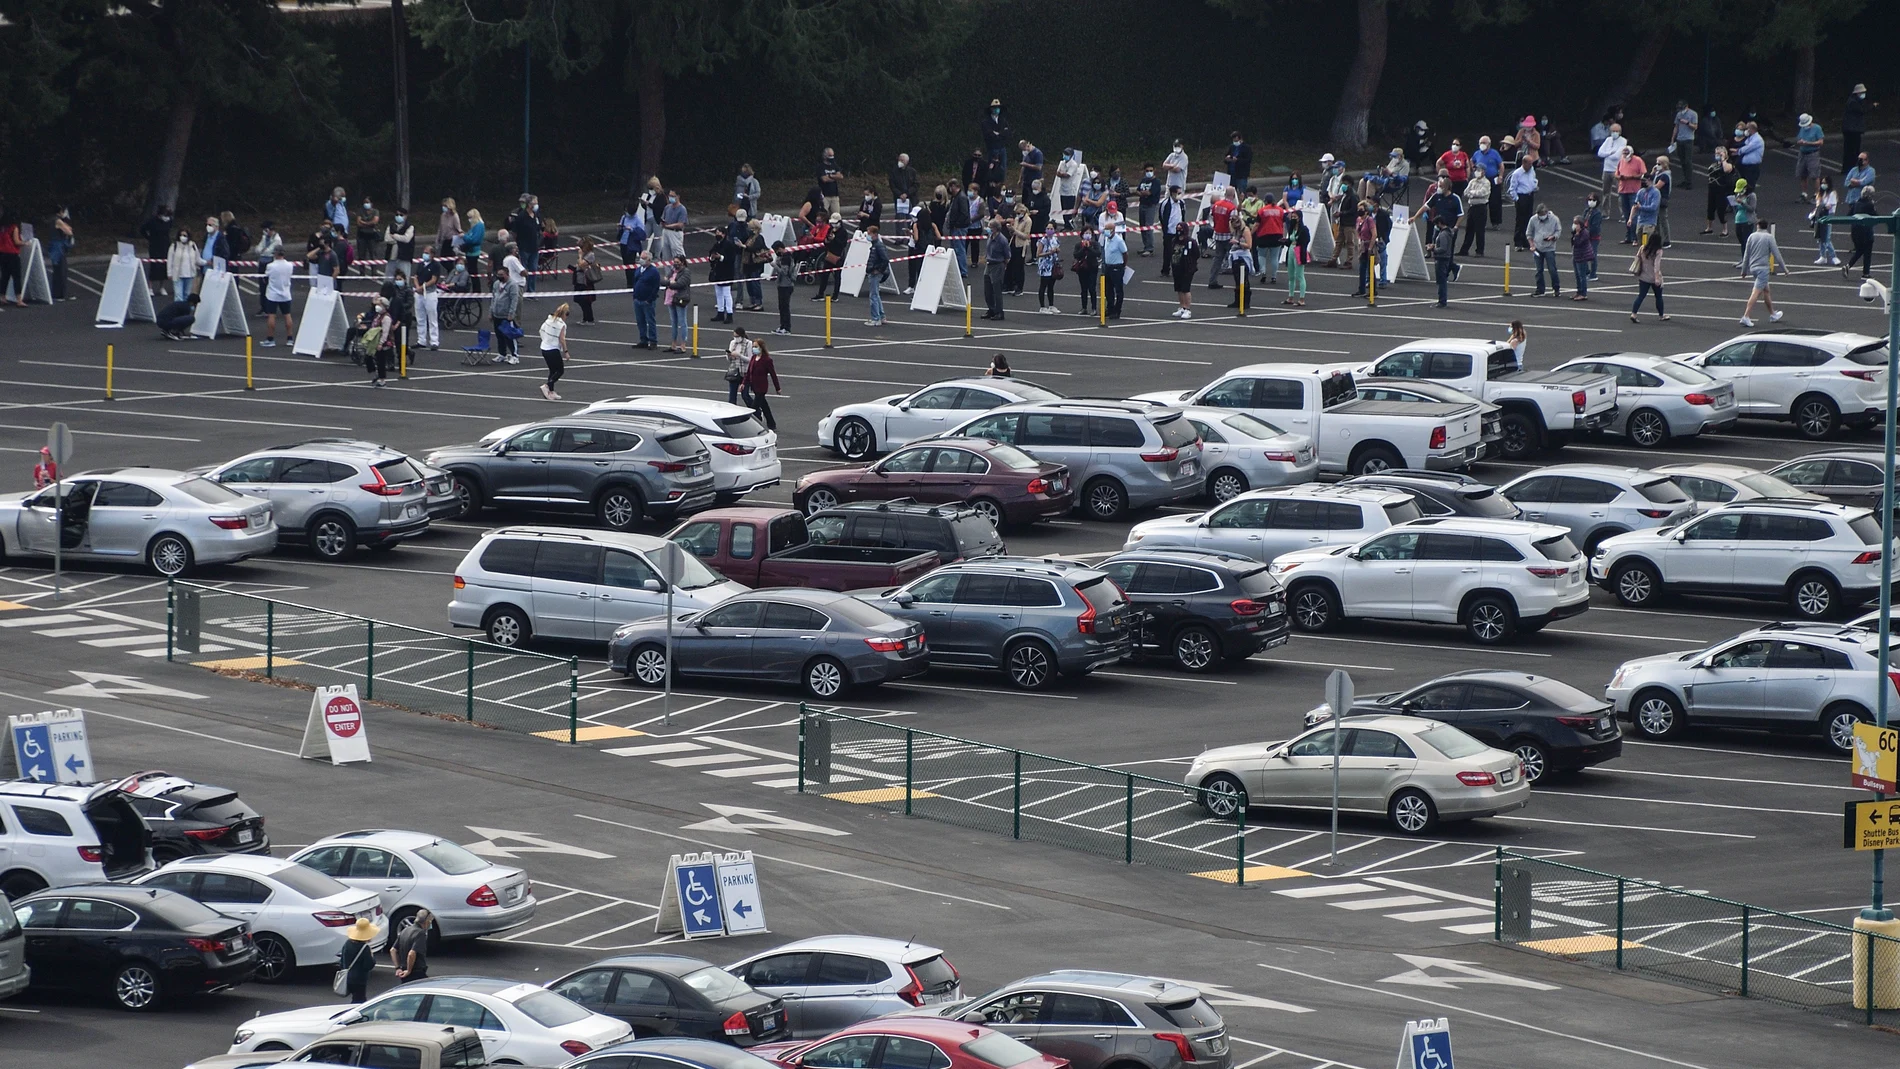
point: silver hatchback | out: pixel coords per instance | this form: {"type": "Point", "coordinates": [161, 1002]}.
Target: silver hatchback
{"type": "Point", "coordinates": [1095, 1019]}
{"type": "Point", "coordinates": [1121, 455]}
{"type": "Point", "coordinates": [832, 981]}
{"type": "Point", "coordinates": [1598, 501]}
{"type": "Point", "coordinates": [334, 496]}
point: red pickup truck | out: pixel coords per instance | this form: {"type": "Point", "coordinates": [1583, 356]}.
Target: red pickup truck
{"type": "Point", "coordinates": [763, 547]}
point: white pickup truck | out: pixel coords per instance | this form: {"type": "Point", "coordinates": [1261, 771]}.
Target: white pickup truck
{"type": "Point", "coordinates": [1355, 436]}
{"type": "Point", "coordinates": [1542, 409]}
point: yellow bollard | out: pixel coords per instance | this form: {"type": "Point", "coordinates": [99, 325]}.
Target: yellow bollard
{"type": "Point", "coordinates": [402, 354]}
{"type": "Point", "coordinates": [967, 313]}
{"type": "Point", "coordinates": [696, 330]}
{"type": "Point", "coordinates": [108, 372]}
{"type": "Point", "coordinates": [1101, 295]}
{"type": "Point", "coordinates": [1243, 284]}
{"type": "Point", "coordinates": [1507, 269]}
{"type": "Point", "coordinates": [249, 384]}
{"type": "Point", "coordinates": [827, 320]}
{"type": "Point", "coordinates": [1372, 282]}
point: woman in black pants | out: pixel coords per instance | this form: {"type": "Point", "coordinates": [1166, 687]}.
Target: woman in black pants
{"type": "Point", "coordinates": [1721, 186]}
{"type": "Point", "coordinates": [1088, 264]}
{"type": "Point", "coordinates": [554, 349]}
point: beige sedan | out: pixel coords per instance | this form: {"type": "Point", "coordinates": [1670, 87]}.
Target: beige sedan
{"type": "Point", "coordinates": [1414, 771]}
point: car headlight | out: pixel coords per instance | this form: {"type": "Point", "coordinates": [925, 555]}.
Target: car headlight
{"type": "Point", "coordinates": [1616, 681]}
{"type": "Point", "coordinates": [243, 1036]}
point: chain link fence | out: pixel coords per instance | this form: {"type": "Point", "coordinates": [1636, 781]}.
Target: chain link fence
{"type": "Point", "coordinates": [392, 664]}
{"type": "Point", "coordinates": [1133, 818]}
{"type": "Point", "coordinates": [1697, 939]}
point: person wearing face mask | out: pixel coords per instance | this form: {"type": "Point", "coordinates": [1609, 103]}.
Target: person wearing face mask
{"type": "Point", "coordinates": [1396, 178]}
{"type": "Point", "coordinates": [1069, 175]}
{"type": "Point", "coordinates": [1087, 267]}
{"type": "Point", "coordinates": [1171, 219]}
{"type": "Point", "coordinates": [828, 178]}
{"type": "Point", "coordinates": [58, 241]}
{"type": "Point", "coordinates": [1175, 167]}
{"type": "Point", "coordinates": [1854, 124]}
{"type": "Point", "coordinates": [1239, 160]}
{"type": "Point", "coordinates": [211, 254]}
{"type": "Point", "coordinates": [1093, 197]}
{"type": "Point", "coordinates": [269, 241]}
{"type": "Point", "coordinates": [1478, 198]}
{"type": "Point", "coordinates": [745, 190]}
{"type": "Point", "coordinates": [369, 230]}
{"type": "Point", "coordinates": [1593, 223]}
{"type": "Point", "coordinates": [400, 242]}
{"type": "Point", "coordinates": [157, 232]}
{"type": "Point", "coordinates": [1455, 164]}
{"type": "Point", "coordinates": [1543, 231]}
{"type": "Point", "coordinates": [337, 210]}
{"type": "Point", "coordinates": [1748, 161]}
{"type": "Point", "coordinates": [1521, 190]}
{"type": "Point", "coordinates": [525, 226]}
{"type": "Point", "coordinates": [1020, 238]}
{"type": "Point", "coordinates": [1038, 203]}
{"type": "Point", "coordinates": [1491, 162]}
{"type": "Point", "coordinates": [1148, 202]}
{"type": "Point", "coordinates": [1032, 161]}
{"type": "Point", "coordinates": [448, 227]}
{"type": "Point", "coordinates": [903, 180]}
{"type": "Point", "coordinates": [652, 204]}
{"type": "Point", "coordinates": [1611, 153]}
{"type": "Point", "coordinates": [1629, 182]}
{"type": "Point", "coordinates": [672, 227]}
{"type": "Point", "coordinates": [996, 132]}
{"type": "Point", "coordinates": [430, 278]}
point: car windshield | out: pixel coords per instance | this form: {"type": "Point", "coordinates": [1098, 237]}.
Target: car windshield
{"type": "Point", "coordinates": [716, 984]}
{"type": "Point", "coordinates": [694, 575]}
{"type": "Point", "coordinates": [1487, 502]}
{"type": "Point", "coordinates": [1867, 528]}
{"type": "Point", "coordinates": [1563, 695]}
{"type": "Point", "coordinates": [396, 472]}
{"type": "Point", "coordinates": [1873, 354]}
{"type": "Point", "coordinates": [182, 912]}
{"type": "Point", "coordinates": [1450, 741]}
{"type": "Point", "coordinates": [209, 492]}
{"type": "Point", "coordinates": [1176, 431]}
{"type": "Point", "coordinates": [1013, 458]}
{"type": "Point", "coordinates": [1683, 373]}
{"type": "Point", "coordinates": [747, 426]}
{"type": "Point", "coordinates": [1403, 513]}
{"type": "Point", "coordinates": [450, 858]}
{"type": "Point", "coordinates": [1251, 426]}
{"type": "Point", "coordinates": [550, 1010]}
{"type": "Point", "coordinates": [1663, 492]}
{"type": "Point", "coordinates": [1193, 1014]}
{"type": "Point", "coordinates": [683, 444]}
{"type": "Point", "coordinates": [1000, 1050]}
{"type": "Point", "coordinates": [308, 882]}
{"type": "Point", "coordinates": [1769, 485]}
{"type": "Point", "coordinates": [1560, 548]}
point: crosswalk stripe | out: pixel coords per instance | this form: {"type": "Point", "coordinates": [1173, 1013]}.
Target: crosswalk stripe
{"type": "Point", "coordinates": [1393, 902]}
{"type": "Point", "coordinates": [778, 783]}
{"type": "Point", "coordinates": [90, 629]}
{"type": "Point", "coordinates": [1325, 890]}
{"type": "Point", "coordinates": [1453, 913]}
{"type": "Point", "coordinates": [159, 651]}
{"type": "Point", "coordinates": [651, 748]}
{"type": "Point", "coordinates": [37, 620]}
{"type": "Point", "coordinates": [704, 759]}
{"type": "Point", "coordinates": [750, 770]}
{"type": "Point", "coordinates": [148, 638]}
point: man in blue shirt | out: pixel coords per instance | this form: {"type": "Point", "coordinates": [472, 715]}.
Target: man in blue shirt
{"type": "Point", "coordinates": [1748, 160]}
{"type": "Point", "coordinates": [1642, 216]}
{"type": "Point", "coordinates": [1859, 177]}
{"type": "Point", "coordinates": [1032, 162]}
{"type": "Point", "coordinates": [645, 285]}
{"type": "Point", "coordinates": [1114, 264]}
{"type": "Point", "coordinates": [1492, 164]}
{"type": "Point", "coordinates": [1807, 161]}
{"type": "Point", "coordinates": [1522, 190]}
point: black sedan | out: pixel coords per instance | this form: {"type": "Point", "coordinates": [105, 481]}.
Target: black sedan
{"type": "Point", "coordinates": [1203, 607]}
{"type": "Point", "coordinates": [1552, 726]}
{"type": "Point", "coordinates": [189, 818]}
{"type": "Point", "coordinates": [674, 995]}
{"type": "Point", "coordinates": [141, 945]}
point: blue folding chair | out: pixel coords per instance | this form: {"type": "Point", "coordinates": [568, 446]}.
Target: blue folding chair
{"type": "Point", "coordinates": [475, 354]}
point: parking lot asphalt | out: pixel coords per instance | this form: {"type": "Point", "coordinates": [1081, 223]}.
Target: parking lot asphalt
{"type": "Point", "coordinates": [1748, 817]}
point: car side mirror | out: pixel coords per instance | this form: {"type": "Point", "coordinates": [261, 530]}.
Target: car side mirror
{"type": "Point", "coordinates": [903, 406]}
{"type": "Point", "coordinates": [905, 600]}
{"type": "Point", "coordinates": [974, 1017]}
{"type": "Point", "coordinates": [1706, 662]}
{"type": "Point", "coordinates": [652, 584]}
{"type": "Point", "coordinates": [1353, 554]}
{"type": "Point", "coordinates": [1278, 754]}
{"type": "Point", "coordinates": [499, 448]}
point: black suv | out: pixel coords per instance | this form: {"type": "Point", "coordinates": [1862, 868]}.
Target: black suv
{"type": "Point", "coordinates": [1202, 607]}
{"type": "Point", "coordinates": [953, 532]}
{"type": "Point", "coordinates": [1443, 493]}
{"type": "Point", "coordinates": [189, 818]}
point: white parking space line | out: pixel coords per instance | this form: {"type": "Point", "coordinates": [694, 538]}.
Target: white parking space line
{"type": "Point", "coordinates": [1425, 646]}
{"type": "Point", "coordinates": [1698, 805]}
{"type": "Point", "coordinates": [1742, 753]}
{"type": "Point", "coordinates": [1168, 679]}
{"type": "Point", "coordinates": [1624, 827]}
{"type": "Point", "coordinates": [1730, 779]}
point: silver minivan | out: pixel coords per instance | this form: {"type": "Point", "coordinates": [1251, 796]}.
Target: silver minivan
{"type": "Point", "coordinates": [557, 582]}
{"type": "Point", "coordinates": [15, 974]}
{"type": "Point", "coordinates": [1122, 455]}
{"type": "Point", "coordinates": [334, 496]}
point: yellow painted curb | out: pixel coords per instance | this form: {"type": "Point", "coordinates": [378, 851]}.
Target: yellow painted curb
{"type": "Point", "coordinates": [247, 664]}
{"type": "Point", "coordinates": [877, 794]}
{"type": "Point", "coordinates": [590, 733]}
{"type": "Point", "coordinates": [9, 606]}
{"type": "Point", "coordinates": [1254, 872]}
{"type": "Point", "coordinates": [1578, 944]}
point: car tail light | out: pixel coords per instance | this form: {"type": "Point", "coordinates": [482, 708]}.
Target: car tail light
{"type": "Point", "coordinates": [1085, 623]}
{"type": "Point", "coordinates": [1477, 779]}
{"type": "Point", "coordinates": [670, 467]}
{"type": "Point", "coordinates": [207, 835]}
{"type": "Point", "coordinates": [1037, 486]}
{"type": "Point", "coordinates": [1864, 376]}
{"type": "Point", "coordinates": [912, 992]}
{"type": "Point", "coordinates": [575, 1047]}
{"type": "Point", "coordinates": [230, 523]}
{"type": "Point", "coordinates": [381, 487]}
{"type": "Point", "coordinates": [1578, 400]}
{"type": "Point", "coordinates": [1439, 438]}
{"type": "Point", "coordinates": [334, 918]}
{"type": "Point", "coordinates": [736, 1025]}
{"type": "Point", "coordinates": [1871, 556]}
{"type": "Point", "coordinates": [459, 584]}
{"type": "Point", "coordinates": [1581, 723]}
{"type": "Point", "coordinates": [1247, 607]}
{"type": "Point", "coordinates": [1283, 458]}
{"type": "Point", "coordinates": [1543, 571]}
{"type": "Point", "coordinates": [94, 854]}
{"type": "Point", "coordinates": [735, 448]}
{"type": "Point", "coordinates": [208, 946]}
{"type": "Point", "coordinates": [1162, 456]}
{"type": "Point", "coordinates": [1698, 399]}
{"type": "Point", "coordinates": [483, 896]}
{"type": "Point", "coordinates": [1180, 1042]}
{"type": "Point", "coordinates": [1657, 514]}
{"type": "Point", "coordinates": [885, 645]}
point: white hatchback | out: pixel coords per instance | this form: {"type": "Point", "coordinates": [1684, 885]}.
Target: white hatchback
{"type": "Point", "coordinates": [297, 916]}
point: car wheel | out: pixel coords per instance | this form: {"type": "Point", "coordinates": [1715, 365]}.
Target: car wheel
{"type": "Point", "coordinates": [275, 961]}
{"type": "Point", "coordinates": [1376, 459]}
{"type": "Point", "coordinates": [990, 510]}
{"type": "Point", "coordinates": [1222, 796]}
{"type": "Point", "coordinates": [135, 987]}
{"type": "Point", "coordinates": [1637, 585]}
{"type": "Point", "coordinates": [508, 627]}
{"type": "Point", "coordinates": [1196, 649]}
{"type": "Point", "coordinates": [618, 509]}
{"type": "Point", "coordinates": [1412, 812]}
{"type": "Point", "coordinates": [1813, 597]}
{"type": "Point", "coordinates": [1315, 607]}
{"type": "Point", "coordinates": [820, 499]}
{"type": "Point", "coordinates": [1535, 759]}
{"type": "Point", "coordinates": [826, 678]}
{"type": "Point", "coordinates": [1840, 721]}
{"type": "Point", "coordinates": [1657, 714]}
{"type": "Point", "coordinates": [1815, 416]}
{"type": "Point", "coordinates": [1029, 665]}
{"type": "Point", "coordinates": [332, 537]}
{"type": "Point", "coordinates": [1104, 499]}
{"type": "Point", "coordinates": [647, 665]}
{"type": "Point", "coordinates": [17, 885]}
{"type": "Point", "coordinates": [169, 555]}
{"type": "Point", "coordinates": [1522, 437]}
{"type": "Point", "coordinates": [855, 439]}
{"type": "Point", "coordinates": [1648, 429]}
{"type": "Point", "coordinates": [1490, 620]}
{"type": "Point", "coordinates": [1226, 484]}
{"type": "Point", "coordinates": [468, 496]}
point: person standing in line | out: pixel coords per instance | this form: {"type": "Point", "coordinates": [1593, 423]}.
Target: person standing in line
{"type": "Point", "coordinates": [631, 236]}
{"type": "Point", "coordinates": [738, 358]}
{"type": "Point", "coordinates": [524, 228]}
{"type": "Point", "coordinates": [554, 348]}
{"type": "Point", "coordinates": [369, 232]}
{"type": "Point", "coordinates": [399, 244]}
{"type": "Point", "coordinates": [1583, 257]}
{"type": "Point", "coordinates": [1752, 149]}
{"type": "Point", "coordinates": [1857, 180]}
{"type": "Point", "coordinates": [59, 242]}
{"type": "Point", "coordinates": [379, 360]}
{"type": "Point", "coordinates": [1048, 258]}
{"type": "Point", "coordinates": [958, 226]}
{"type": "Point", "coordinates": [1239, 255]}
{"type": "Point", "coordinates": [745, 190]}
{"type": "Point", "coordinates": [1087, 266]}
{"type": "Point", "coordinates": [673, 227]}
{"type": "Point", "coordinates": [759, 371]}
{"type": "Point", "coordinates": [1721, 186]}
{"type": "Point", "coordinates": [877, 268]}
{"type": "Point", "coordinates": [652, 206]}
{"type": "Point", "coordinates": [1444, 248]}
{"type": "Point", "coordinates": [430, 282]}
{"type": "Point", "coordinates": [470, 244]}
{"type": "Point", "coordinates": [1807, 161]}
{"type": "Point", "coordinates": [1826, 202]}
{"type": "Point", "coordinates": [1173, 216]}
{"type": "Point", "coordinates": [720, 274]}
{"type": "Point", "coordinates": [785, 275]}
{"type": "Point", "coordinates": [1032, 163]}
{"type": "Point", "coordinates": [679, 300]}
{"type": "Point", "coordinates": [1663, 178]}
{"type": "Point", "coordinates": [1521, 190]}
{"type": "Point", "coordinates": [903, 180]}
{"type": "Point", "coordinates": [409, 951]}
{"type": "Point", "coordinates": [181, 265]}
{"type": "Point", "coordinates": [995, 262]}
{"type": "Point", "coordinates": [1542, 230]}
{"type": "Point", "coordinates": [1491, 163]}
{"type": "Point", "coordinates": [1647, 267]}
{"type": "Point", "coordinates": [645, 291]}
{"type": "Point", "coordinates": [1686, 122]}
{"type": "Point", "coordinates": [448, 229]}
{"type": "Point", "coordinates": [1021, 239]}
{"type": "Point", "coordinates": [1853, 125]}
{"type": "Point", "coordinates": [1297, 250]}
{"type": "Point", "coordinates": [1862, 231]}
{"type": "Point", "coordinates": [1115, 268]}
{"type": "Point", "coordinates": [1477, 210]}
{"type": "Point", "coordinates": [1186, 259]}
{"type": "Point", "coordinates": [1593, 222]}
{"type": "Point", "coordinates": [268, 242]}
{"type": "Point", "coordinates": [1629, 181]}
{"type": "Point", "coordinates": [1366, 234]}
{"type": "Point", "coordinates": [1610, 151]}
{"type": "Point", "coordinates": [211, 255]}
{"type": "Point", "coordinates": [504, 304]}
{"type": "Point", "coordinates": [1148, 199]}
{"type": "Point", "coordinates": [337, 210]}
{"type": "Point", "coordinates": [356, 959]}
{"type": "Point", "coordinates": [831, 270]}
{"type": "Point", "coordinates": [585, 277]}
{"type": "Point", "coordinates": [829, 176]}
{"type": "Point", "coordinates": [1644, 206]}
{"type": "Point", "coordinates": [1175, 167]}
{"type": "Point", "coordinates": [753, 258]}
{"type": "Point", "coordinates": [1745, 203]}
{"type": "Point", "coordinates": [277, 276]}
{"type": "Point", "coordinates": [1273, 221]}
{"type": "Point", "coordinates": [157, 232]}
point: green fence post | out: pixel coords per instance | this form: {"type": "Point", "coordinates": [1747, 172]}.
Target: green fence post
{"type": "Point", "coordinates": [801, 747]}
{"type": "Point", "coordinates": [170, 609]}
{"type": "Point", "coordinates": [1497, 898]}
{"type": "Point", "coordinates": [1619, 922]}
{"type": "Point", "coordinates": [909, 754]}
{"type": "Point", "coordinates": [270, 639]}
{"type": "Point", "coordinates": [1128, 824]}
{"type": "Point", "coordinates": [1016, 800]}
{"type": "Point", "coordinates": [573, 699]}
{"type": "Point", "coordinates": [1745, 927]}
{"type": "Point", "coordinates": [369, 660]}
{"type": "Point", "coordinates": [1240, 846]}
{"type": "Point", "coordinates": [468, 683]}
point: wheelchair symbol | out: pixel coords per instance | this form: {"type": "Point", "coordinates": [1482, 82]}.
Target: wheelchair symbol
{"type": "Point", "coordinates": [1428, 1056]}
{"type": "Point", "coordinates": [695, 894]}
{"type": "Point", "coordinates": [31, 747]}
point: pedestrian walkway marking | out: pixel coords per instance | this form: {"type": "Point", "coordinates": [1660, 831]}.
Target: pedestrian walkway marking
{"type": "Point", "coordinates": [590, 733]}
{"type": "Point", "coordinates": [1449, 914]}
{"type": "Point", "coordinates": [1393, 902]}
{"type": "Point", "coordinates": [1578, 944]}
{"type": "Point", "coordinates": [42, 621]}
{"type": "Point", "coordinates": [244, 664]}
{"type": "Point", "coordinates": [874, 795]}
{"type": "Point", "coordinates": [649, 749]}
{"type": "Point", "coordinates": [751, 770]}
{"type": "Point", "coordinates": [1255, 874]}
{"type": "Point", "coordinates": [124, 640]}
{"type": "Point", "coordinates": [1326, 890]}
{"type": "Point", "coordinates": [705, 759]}
{"type": "Point", "coordinates": [88, 629]}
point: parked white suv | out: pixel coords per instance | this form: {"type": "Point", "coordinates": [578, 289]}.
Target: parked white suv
{"type": "Point", "coordinates": [1816, 379]}
{"type": "Point", "coordinates": [1818, 556]}
{"type": "Point", "coordinates": [52, 835]}
{"type": "Point", "coordinates": [1262, 524]}
{"type": "Point", "coordinates": [1495, 578]}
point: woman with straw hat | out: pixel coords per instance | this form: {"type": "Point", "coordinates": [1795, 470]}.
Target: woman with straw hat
{"type": "Point", "coordinates": [357, 959]}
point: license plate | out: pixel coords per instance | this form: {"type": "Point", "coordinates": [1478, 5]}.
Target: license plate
{"type": "Point", "coordinates": [933, 999]}
{"type": "Point", "coordinates": [766, 453]}
{"type": "Point", "coordinates": [1217, 1045]}
{"type": "Point", "coordinates": [697, 469]}
{"type": "Point", "coordinates": [1509, 775]}
{"type": "Point", "coordinates": [1188, 467]}
{"type": "Point", "coordinates": [1603, 724]}
{"type": "Point", "coordinates": [514, 894]}
{"type": "Point", "coordinates": [246, 835]}
{"type": "Point", "coordinates": [410, 512]}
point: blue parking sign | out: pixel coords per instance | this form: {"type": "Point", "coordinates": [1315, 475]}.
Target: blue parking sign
{"type": "Point", "coordinates": [33, 752]}
{"type": "Point", "coordinates": [698, 887]}
{"type": "Point", "coordinates": [1428, 1042]}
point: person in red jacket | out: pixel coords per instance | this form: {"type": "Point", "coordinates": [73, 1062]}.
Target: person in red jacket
{"type": "Point", "coordinates": [758, 370]}
{"type": "Point", "coordinates": [1454, 163]}
{"type": "Point", "coordinates": [45, 473]}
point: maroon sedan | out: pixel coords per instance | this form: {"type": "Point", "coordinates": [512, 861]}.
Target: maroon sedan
{"type": "Point", "coordinates": [910, 1043]}
{"type": "Point", "coordinates": [1005, 484]}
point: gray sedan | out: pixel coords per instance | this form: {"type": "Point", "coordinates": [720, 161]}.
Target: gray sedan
{"type": "Point", "coordinates": [1241, 452]}
{"type": "Point", "coordinates": [169, 520]}
{"type": "Point", "coordinates": [826, 641]}
{"type": "Point", "coordinates": [1658, 398]}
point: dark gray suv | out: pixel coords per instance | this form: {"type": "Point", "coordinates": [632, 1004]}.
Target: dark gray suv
{"type": "Point", "coordinates": [1035, 618]}
{"type": "Point", "coordinates": [622, 468]}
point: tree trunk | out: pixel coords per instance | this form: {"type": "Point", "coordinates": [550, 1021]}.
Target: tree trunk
{"type": "Point", "coordinates": [652, 121]}
{"type": "Point", "coordinates": [399, 56]}
{"type": "Point", "coordinates": [1362, 79]}
{"type": "Point", "coordinates": [1804, 79]}
{"type": "Point", "coordinates": [170, 174]}
{"type": "Point", "coordinates": [1635, 76]}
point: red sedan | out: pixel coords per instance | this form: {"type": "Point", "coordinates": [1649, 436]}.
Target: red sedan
{"type": "Point", "coordinates": [910, 1043]}
{"type": "Point", "coordinates": [1005, 484]}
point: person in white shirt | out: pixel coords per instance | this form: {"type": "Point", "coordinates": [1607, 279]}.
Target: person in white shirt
{"type": "Point", "coordinates": [1069, 181]}
{"type": "Point", "coordinates": [1611, 153]}
{"type": "Point", "coordinates": [1176, 166]}
{"type": "Point", "coordinates": [277, 276]}
{"type": "Point", "coordinates": [554, 349]}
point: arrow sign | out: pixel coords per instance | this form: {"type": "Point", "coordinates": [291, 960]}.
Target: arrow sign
{"type": "Point", "coordinates": [529, 844]}
{"type": "Point", "coordinates": [750, 820]}
{"type": "Point", "coordinates": [106, 685]}
{"type": "Point", "coordinates": [1461, 972]}
{"type": "Point", "coordinates": [741, 908]}
{"type": "Point", "coordinates": [74, 764]}
{"type": "Point", "coordinates": [700, 916]}
{"type": "Point", "coordinates": [37, 774]}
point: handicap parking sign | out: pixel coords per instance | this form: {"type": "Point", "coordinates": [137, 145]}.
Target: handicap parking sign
{"type": "Point", "coordinates": [1427, 1045]}
{"type": "Point", "coordinates": [698, 888]}
{"type": "Point", "coordinates": [33, 750]}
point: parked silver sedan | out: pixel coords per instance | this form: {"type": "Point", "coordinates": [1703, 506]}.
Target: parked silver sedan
{"type": "Point", "coordinates": [1242, 452]}
{"type": "Point", "coordinates": [1718, 484]}
{"type": "Point", "coordinates": [412, 871]}
{"type": "Point", "coordinates": [170, 520]}
{"type": "Point", "coordinates": [1414, 771]}
{"type": "Point", "coordinates": [1658, 398]}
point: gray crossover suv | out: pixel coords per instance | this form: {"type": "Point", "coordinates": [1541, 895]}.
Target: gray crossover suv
{"type": "Point", "coordinates": [620, 467]}
{"type": "Point", "coordinates": [1033, 617]}
{"type": "Point", "coordinates": [1122, 455]}
{"type": "Point", "coordinates": [1096, 1019]}
{"type": "Point", "coordinates": [334, 496]}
